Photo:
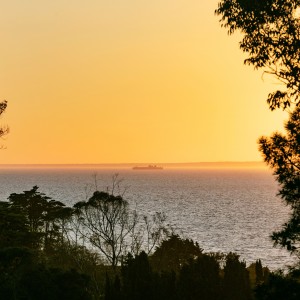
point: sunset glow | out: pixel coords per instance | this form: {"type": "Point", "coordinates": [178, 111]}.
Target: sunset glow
{"type": "Point", "coordinates": [127, 81]}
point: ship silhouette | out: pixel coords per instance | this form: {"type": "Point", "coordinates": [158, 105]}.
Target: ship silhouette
{"type": "Point", "coordinates": [149, 167]}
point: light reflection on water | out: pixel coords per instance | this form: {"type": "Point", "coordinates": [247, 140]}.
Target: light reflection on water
{"type": "Point", "coordinates": [224, 210]}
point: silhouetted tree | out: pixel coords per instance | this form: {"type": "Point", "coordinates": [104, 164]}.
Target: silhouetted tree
{"type": "Point", "coordinates": [107, 224]}
{"type": "Point", "coordinates": [278, 287]}
{"type": "Point", "coordinates": [282, 154]}
{"type": "Point", "coordinates": [200, 279]}
{"type": "Point", "coordinates": [271, 37]}
{"type": "Point", "coordinates": [236, 283]}
{"type": "Point", "coordinates": [165, 285]}
{"type": "Point", "coordinates": [45, 216]}
{"type": "Point", "coordinates": [149, 233]}
{"type": "Point", "coordinates": [137, 278]}
{"type": "Point", "coordinates": [14, 263]}
{"type": "Point", "coordinates": [173, 253]}
{"type": "Point", "coordinates": [4, 130]}
{"type": "Point", "coordinates": [113, 289]}
{"type": "Point", "coordinates": [68, 256]}
{"type": "Point", "coordinates": [259, 272]}
{"type": "Point", "coordinates": [14, 228]}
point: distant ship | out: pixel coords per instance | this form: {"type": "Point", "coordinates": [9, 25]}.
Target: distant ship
{"type": "Point", "coordinates": [149, 167]}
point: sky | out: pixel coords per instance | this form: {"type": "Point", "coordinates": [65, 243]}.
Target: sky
{"type": "Point", "coordinates": [127, 81]}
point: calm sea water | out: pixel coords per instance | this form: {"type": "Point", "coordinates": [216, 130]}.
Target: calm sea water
{"type": "Point", "coordinates": [224, 210]}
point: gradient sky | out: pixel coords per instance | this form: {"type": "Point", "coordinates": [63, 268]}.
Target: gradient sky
{"type": "Point", "coordinates": [127, 81]}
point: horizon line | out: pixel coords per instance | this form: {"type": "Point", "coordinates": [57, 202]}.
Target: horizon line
{"type": "Point", "coordinates": [137, 163]}
{"type": "Point", "coordinates": [191, 165]}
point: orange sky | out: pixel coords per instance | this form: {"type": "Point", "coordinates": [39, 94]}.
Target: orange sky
{"type": "Point", "coordinates": [127, 81]}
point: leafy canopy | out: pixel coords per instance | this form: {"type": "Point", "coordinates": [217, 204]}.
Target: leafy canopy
{"type": "Point", "coordinates": [282, 153]}
{"type": "Point", "coordinates": [271, 38]}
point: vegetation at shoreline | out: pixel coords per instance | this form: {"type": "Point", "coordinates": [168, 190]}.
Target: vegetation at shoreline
{"type": "Point", "coordinates": [49, 251]}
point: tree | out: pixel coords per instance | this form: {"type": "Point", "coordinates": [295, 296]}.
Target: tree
{"type": "Point", "coordinates": [200, 279]}
{"type": "Point", "coordinates": [278, 287]}
{"type": "Point", "coordinates": [236, 283]}
{"type": "Point", "coordinates": [67, 256]}
{"type": "Point", "coordinates": [173, 253]}
{"type": "Point", "coordinates": [271, 38]}
{"type": "Point", "coordinates": [259, 273]}
{"type": "Point", "coordinates": [107, 224]}
{"type": "Point", "coordinates": [45, 217]}
{"type": "Point", "coordinates": [150, 232]}
{"type": "Point", "coordinates": [14, 263]}
{"type": "Point", "coordinates": [22, 276]}
{"type": "Point", "coordinates": [282, 154]}
{"type": "Point", "coordinates": [3, 129]}
{"type": "Point", "coordinates": [14, 228]}
{"type": "Point", "coordinates": [137, 277]}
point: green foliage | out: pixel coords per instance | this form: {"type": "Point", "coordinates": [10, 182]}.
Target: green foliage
{"type": "Point", "coordinates": [271, 38]}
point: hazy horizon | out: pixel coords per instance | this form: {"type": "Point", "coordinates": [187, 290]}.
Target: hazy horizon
{"type": "Point", "coordinates": [220, 164]}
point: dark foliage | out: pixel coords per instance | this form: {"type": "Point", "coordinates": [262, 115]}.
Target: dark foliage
{"type": "Point", "coordinates": [107, 224]}
{"type": "Point", "coordinates": [271, 38]}
{"type": "Point", "coordinates": [178, 270]}
{"type": "Point", "coordinates": [200, 279]}
{"type": "Point", "coordinates": [137, 278]}
{"type": "Point", "coordinates": [259, 272]}
{"type": "Point", "coordinates": [14, 228]}
{"type": "Point", "coordinates": [24, 276]}
{"type": "Point", "coordinates": [236, 284]}
{"type": "Point", "coordinates": [30, 225]}
{"type": "Point", "coordinates": [174, 253]}
{"type": "Point", "coordinates": [4, 130]}
{"type": "Point", "coordinates": [44, 216]}
{"type": "Point", "coordinates": [278, 287]}
{"type": "Point", "coordinates": [282, 154]}
{"type": "Point", "coordinates": [52, 284]}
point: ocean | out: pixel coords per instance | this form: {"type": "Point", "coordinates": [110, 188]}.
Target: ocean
{"type": "Point", "coordinates": [226, 209]}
